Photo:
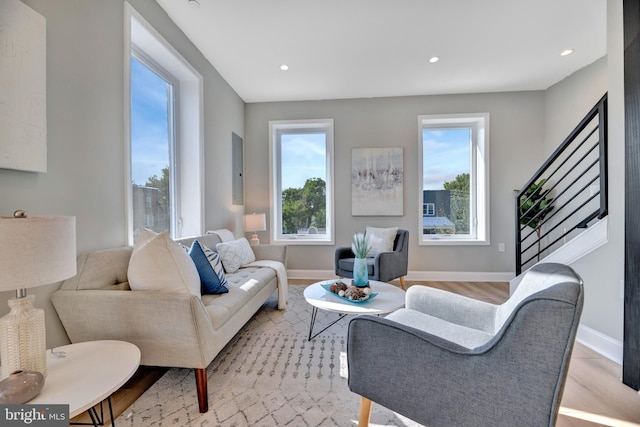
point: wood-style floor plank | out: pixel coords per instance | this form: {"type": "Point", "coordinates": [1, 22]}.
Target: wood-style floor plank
{"type": "Point", "coordinates": [140, 382]}
{"type": "Point", "coordinates": [594, 394]}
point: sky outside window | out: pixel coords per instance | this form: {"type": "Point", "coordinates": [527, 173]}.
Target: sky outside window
{"type": "Point", "coordinates": [446, 154]}
{"type": "Point", "coordinates": [303, 156]}
{"type": "Point", "coordinates": [149, 123]}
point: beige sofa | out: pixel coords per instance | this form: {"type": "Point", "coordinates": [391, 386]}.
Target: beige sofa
{"type": "Point", "coordinates": [173, 330]}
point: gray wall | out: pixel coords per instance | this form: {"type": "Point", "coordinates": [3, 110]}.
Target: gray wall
{"type": "Point", "coordinates": [85, 115]}
{"type": "Point", "coordinates": [565, 104]}
{"type": "Point", "coordinates": [517, 138]}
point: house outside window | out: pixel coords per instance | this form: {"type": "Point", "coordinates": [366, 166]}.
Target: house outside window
{"type": "Point", "coordinates": [454, 169]}
{"type": "Point", "coordinates": [301, 166]}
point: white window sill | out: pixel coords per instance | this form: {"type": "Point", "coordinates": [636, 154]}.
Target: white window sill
{"type": "Point", "coordinates": [446, 241]}
{"type": "Point", "coordinates": [302, 240]}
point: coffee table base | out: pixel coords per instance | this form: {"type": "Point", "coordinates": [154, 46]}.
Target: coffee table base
{"type": "Point", "coordinates": [314, 312]}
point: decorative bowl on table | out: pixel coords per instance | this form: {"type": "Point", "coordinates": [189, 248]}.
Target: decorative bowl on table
{"type": "Point", "coordinates": [349, 293]}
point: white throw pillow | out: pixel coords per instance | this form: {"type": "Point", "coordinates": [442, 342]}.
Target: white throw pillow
{"type": "Point", "coordinates": [159, 264]}
{"type": "Point", "coordinates": [235, 254]}
{"type": "Point", "coordinates": [381, 239]}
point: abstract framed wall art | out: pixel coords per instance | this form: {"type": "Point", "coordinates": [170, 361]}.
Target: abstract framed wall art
{"type": "Point", "coordinates": [23, 76]}
{"type": "Point", "coordinates": [377, 181]}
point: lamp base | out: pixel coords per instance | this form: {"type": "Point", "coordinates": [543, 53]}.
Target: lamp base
{"type": "Point", "coordinates": [254, 240]}
{"type": "Point", "coordinates": [23, 341]}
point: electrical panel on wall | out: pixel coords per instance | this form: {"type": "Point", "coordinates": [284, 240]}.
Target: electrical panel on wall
{"type": "Point", "coordinates": [237, 169]}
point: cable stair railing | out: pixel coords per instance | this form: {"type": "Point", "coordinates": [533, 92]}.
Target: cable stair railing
{"type": "Point", "coordinates": [567, 194]}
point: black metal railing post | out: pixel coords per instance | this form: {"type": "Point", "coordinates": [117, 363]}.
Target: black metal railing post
{"type": "Point", "coordinates": [604, 163]}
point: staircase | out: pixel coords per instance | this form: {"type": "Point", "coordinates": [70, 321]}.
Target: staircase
{"type": "Point", "coordinates": [561, 211]}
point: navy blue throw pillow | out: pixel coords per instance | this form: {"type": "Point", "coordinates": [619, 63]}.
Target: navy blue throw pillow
{"type": "Point", "coordinates": [212, 279]}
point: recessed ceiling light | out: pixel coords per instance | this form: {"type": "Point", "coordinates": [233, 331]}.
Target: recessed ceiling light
{"type": "Point", "coordinates": [434, 59]}
{"type": "Point", "coordinates": [284, 67]}
{"type": "Point", "coordinates": [566, 52]}
{"type": "Point", "coordinates": [194, 3]}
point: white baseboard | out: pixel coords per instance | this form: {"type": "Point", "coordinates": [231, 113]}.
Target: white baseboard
{"type": "Point", "coordinates": [600, 343]}
{"type": "Point", "coordinates": [429, 276]}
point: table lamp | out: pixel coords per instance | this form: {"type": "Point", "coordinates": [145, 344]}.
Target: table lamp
{"type": "Point", "coordinates": [253, 223]}
{"type": "Point", "coordinates": [34, 251]}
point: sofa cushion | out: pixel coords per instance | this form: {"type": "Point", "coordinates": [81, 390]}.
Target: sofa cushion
{"type": "Point", "coordinates": [209, 266]}
{"type": "Point", "coordinates": [381, 239]}
{"type": "Point", "coordinates": [208, 240]}
{"type": "Point", "coordinates": [159, 264]}
{"type": "Point", "coordinates": [243, 285]}
{"type": "Point", "coordinates": [101, 269]}
{"type": "Point", "coordinates": [235, 254]}
{"type": "Point", "coordinates": [462, 335]}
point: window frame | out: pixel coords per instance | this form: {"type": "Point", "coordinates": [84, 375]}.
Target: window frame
{"type": "Point", "coordinates": [187, 208]}
{"type": "Point", "coordinates": [277, 128]}
{"type": "Point", "coordinates": [478, 177]}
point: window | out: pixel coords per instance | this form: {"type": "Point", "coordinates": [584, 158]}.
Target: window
{"type": "Point", "coordinates": [301, 164]}
{"type": "Point", "coordinates": [164, 177]}
{"type": "Point", "coordinates": [153, 144]}
{"type": "Point", "coordinates": [429, 209]}
{"type": "Point", "coordinates": [454, 167]}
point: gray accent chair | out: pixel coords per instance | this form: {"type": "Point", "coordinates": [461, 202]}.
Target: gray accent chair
{"type": "Point", "coordinates": [449, 360]}
{"type": "Point", "coordinates": [384, 267]}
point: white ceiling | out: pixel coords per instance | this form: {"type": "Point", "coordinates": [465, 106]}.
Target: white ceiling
{"type": "Point", "coordinates": [375, 48]}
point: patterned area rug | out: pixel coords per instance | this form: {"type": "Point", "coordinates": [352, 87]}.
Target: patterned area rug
{"type": "Point", "coordinates": [268, 375]}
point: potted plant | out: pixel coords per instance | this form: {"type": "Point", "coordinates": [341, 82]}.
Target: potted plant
{"type": "Point", "coordinates": [361, 249]}
{"type": "Point", "coordinates": [534, 207]}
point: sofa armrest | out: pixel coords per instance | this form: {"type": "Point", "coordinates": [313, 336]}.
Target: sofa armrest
{"type": "Point", "coordinates": [171, 329]}
{"type": "Point", "coordinates": [271, 252]}
{"type": "Point", "coordinates": [391, 265]}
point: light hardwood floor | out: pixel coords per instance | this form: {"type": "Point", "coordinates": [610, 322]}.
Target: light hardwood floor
{"type": "Point", "coordinates": [594, 394]}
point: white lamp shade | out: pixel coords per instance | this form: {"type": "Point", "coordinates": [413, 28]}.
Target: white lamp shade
{"type": "Point", "coordinates": [36, 251]}
{"type": "Point", "coordinates": [254, 222]}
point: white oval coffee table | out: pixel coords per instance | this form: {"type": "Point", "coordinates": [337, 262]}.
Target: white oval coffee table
{"type": "Point", "coordinates": [389, 298]}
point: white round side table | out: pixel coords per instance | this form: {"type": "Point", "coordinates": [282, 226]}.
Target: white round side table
{"type": "Point", "coordinates": [84, 374]}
